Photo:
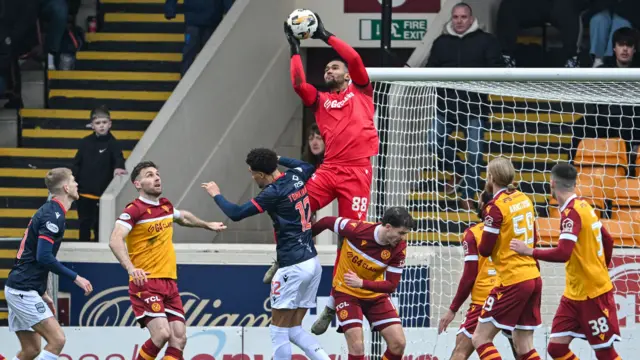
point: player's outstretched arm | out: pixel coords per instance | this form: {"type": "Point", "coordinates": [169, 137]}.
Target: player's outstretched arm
{"type": "Point", "coordinates": [323, 224]}
{"type": "Point", "coordinates": [187, 219]}
{"type": "Point", "coordinates": [119, 249]}
{"type": "Point", "coordinates": [307, 92]}
{"type": "Point", "coordinates": [306, 168]}
{"type": "Point", "coordinates": [357, 70]}
{"type": "Point", "coordinates": [233, 211]}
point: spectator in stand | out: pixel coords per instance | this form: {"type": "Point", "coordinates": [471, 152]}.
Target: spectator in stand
{"type": "Point", "coordinates": [56, 13]}
{"type": "Point", "coordinates": [202, 17]}
{"type": "Point", "coordinates": [463, 44]}
{"type": "Point", "coordinates": [603, 24]}
{"type": "Point", "coordinates": [98, 160]}
{"type": "Point", "coordinates": [564, 15]}
{"type": "Point", "coordinates": [624, 50]}
{"type": "Point", "coordinates": [314, 152]}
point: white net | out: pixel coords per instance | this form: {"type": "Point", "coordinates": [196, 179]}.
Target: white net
{"type": "Point", "coordinates": [436, 139]}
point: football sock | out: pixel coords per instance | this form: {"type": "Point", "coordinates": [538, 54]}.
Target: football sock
{"type": "Point", "coordinates": [488, 352]}
{"type": "Point", "coordinates": [307, 343]}
{"type": "Point", "coordinates": [531, 355]}
{"type": "Point", "coordinates": [561, 352]}
{"type": "Point", "coordinates": [280, 342]}
{"type": "Point", "coordinates": [331, 303]}
{"type": "Point", "coordinates": [45, 355]}
{"type": "Point", "coordinates": [172, 354]}
{"type": "Point", "coordinates": [388, 355]}
{"type": "Point", "coordinates": [607, 354]}
{"type": "Point", "coordinates": [148, 351]}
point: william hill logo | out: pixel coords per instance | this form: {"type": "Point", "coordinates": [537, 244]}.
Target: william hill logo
{"type": "Point", "coordinates": [111, 307]}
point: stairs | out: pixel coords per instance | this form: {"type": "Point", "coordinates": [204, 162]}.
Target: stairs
{"type": "Point", "coordinates": [533, 134]}
{"type": "Point", "coordinates": [131, 66]}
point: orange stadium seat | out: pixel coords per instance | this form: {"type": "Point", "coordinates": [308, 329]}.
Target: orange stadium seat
{"type": "Point", "coordinates": [604, 182]}
{"type": "Point", "coordinates": [630, 215]}
{"type": "Point", "coordinates": [548, 231]}
{"type": "Point", "coordinates": [609, 152]}
{"type": "Point", "coordinates": [627, 194]}
{"type": "Point", "coordinates": [623, 232]}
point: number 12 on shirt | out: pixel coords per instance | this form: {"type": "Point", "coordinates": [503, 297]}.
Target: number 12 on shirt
{"type": "Point", "coordinates": [523, 225]}
{"type": "Point", "coordinates": [304, 207]}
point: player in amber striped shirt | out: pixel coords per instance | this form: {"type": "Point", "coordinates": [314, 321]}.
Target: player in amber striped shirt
{"type": "Point", "coordinates": [146, 224]}
{"type": "Point", "coordinates": [514, 303]}
{"type": "Point", "coordinates": [369, 269]}
{"type": "Point", "coordinates": [587, 309]}
{"type": "Point", "coordinates": [478, 278]}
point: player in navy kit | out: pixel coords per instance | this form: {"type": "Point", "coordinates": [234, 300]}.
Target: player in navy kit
{"type": "Point", "coordinates": [295, 284]}
{"type": "Point", "coordinates": [30, 308]}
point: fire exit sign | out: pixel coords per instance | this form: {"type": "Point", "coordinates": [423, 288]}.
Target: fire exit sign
{"type": "Point", "coordinates": [411, 30]}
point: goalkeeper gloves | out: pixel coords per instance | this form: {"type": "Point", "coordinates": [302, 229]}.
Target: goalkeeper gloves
{"type": "Point", "coordinates": [294, 43]}
{"type": "Point", "coordinates": [321, 33]}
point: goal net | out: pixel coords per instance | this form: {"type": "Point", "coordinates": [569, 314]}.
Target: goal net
{"type": "Point", "coordinates": [436, 139]}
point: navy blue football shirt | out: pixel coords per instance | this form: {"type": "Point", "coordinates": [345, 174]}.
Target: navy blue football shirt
{"type": "Point", "coordinates": [287, 203]}
{"type": "Point", "coordinates": [38, 248]}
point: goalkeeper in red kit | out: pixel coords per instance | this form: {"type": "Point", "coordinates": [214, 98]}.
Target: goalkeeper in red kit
{"type": "Point", "coordinates": [345, 118]}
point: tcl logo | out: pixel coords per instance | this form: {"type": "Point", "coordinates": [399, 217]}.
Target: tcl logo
{"type": "Point", "coordinates": [152, 299]}
{"type": "Point", "coordinates": [342, 305]}
{"type": "Point", "coordinates": [335, 104]}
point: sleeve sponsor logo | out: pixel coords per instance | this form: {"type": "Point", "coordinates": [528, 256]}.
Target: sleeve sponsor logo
{"type": "Point", "coordinates": [465, 247]}
{"type": "Point", "coordinates": [125, 216]}
{"type": "Point", "coordinates": [488, 220]}
{"type": "Point", "coordinates": [52, 227]}
{"type": "Point", "coordinates": [567, 226]}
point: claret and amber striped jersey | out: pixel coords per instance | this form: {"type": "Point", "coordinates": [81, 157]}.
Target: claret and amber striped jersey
{"type": "Point", "coordinates": [486, 278]}
{"type": "Point", "coordinates": [363, 254]}
{"type": "Point", "coordinates": [150, 239]}
{"type": "Point", "coordinates": [587, 275]}
{"type": "Point", "coordinates": [510, 215]}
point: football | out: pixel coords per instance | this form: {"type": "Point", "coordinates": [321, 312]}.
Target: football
{"type": "Point", "coordinates": [303, 23]}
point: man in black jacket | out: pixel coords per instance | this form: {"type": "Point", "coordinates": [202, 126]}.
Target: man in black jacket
{"type": "Point", "coordinates": [463, 44]}
{"type": "Point", "coordinates": [202, 17]}
{"type": "Point", "coordinates": [625, 42]}
{"type": "Point", "coordinates": [98, 160]}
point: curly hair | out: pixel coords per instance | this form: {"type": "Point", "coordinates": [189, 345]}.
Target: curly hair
{"type": "Point", "coordinates": [142, 165]}
{"type": "Point", "coordinates": [307, 155]}
{"type": "Point", "coordinates": [263, 160]}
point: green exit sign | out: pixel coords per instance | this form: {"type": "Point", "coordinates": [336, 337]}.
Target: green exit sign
{"type": "Point", "coordinates": [412, 30]}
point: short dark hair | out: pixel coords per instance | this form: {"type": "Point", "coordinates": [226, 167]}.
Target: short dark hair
{"type": "Point", "coordinates": [565, 175]}
{"type": "Point", "coordinates": [398, 216]}
{"type": "Point", "coordinates": [484, 197]}
{"type": "Point", "coordinates": [625, 36]}
{"type": "Point", "coordinates": [263, 160]}
{"type": "Point", "coordinates": [339, 59]}
{"type": "Point", "coordinates": [463, 4]}
{"type": "Point", "coordinates": [138, 168]}
{"type": "Point", "coordinates": [100, 112]}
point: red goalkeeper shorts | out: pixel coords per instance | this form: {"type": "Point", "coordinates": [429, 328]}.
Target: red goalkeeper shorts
{"type": "Point", "coordinates": [350, 185]}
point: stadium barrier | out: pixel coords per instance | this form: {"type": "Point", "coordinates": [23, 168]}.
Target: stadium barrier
{"type": "Point", "coordinates": [251, 343]}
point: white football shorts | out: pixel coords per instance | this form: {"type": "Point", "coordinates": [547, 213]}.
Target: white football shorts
{"type": "Point", "coordinates": [26, 308]}
{"type": "Point", "coordinates": [296, 286]}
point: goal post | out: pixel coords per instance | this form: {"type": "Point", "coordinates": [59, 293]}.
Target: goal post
{"type": "Point", "coordinates": [439, 128]}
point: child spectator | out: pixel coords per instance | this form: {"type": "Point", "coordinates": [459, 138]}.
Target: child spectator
{"type": "Point", "coordinates": [98, 160]}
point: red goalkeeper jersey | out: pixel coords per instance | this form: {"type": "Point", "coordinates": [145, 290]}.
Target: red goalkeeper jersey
{"type": "Point", "coordinates": [345, 119]}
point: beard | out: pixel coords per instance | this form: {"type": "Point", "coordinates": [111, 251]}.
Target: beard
{"type": "Point", "coordinates": [153, 192]}
{"type": "Point", "coordinates": [335, 83]}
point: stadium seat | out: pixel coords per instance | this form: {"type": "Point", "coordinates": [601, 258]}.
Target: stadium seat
{"type": "Point", "coordinates": [627, 194]}
{"type": "Point", "coordinates": [589, 188]}
{"type": "Point", "coordinates": [607, 152]}
{"type": "Point", "coordinates": [630, 215]}
{"type": "Point", "coordinates": [605, 182]}
{"type": "Point", "coordinates": [548, 231]}
{"type": "Point", "coordinates": [623, 232]}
